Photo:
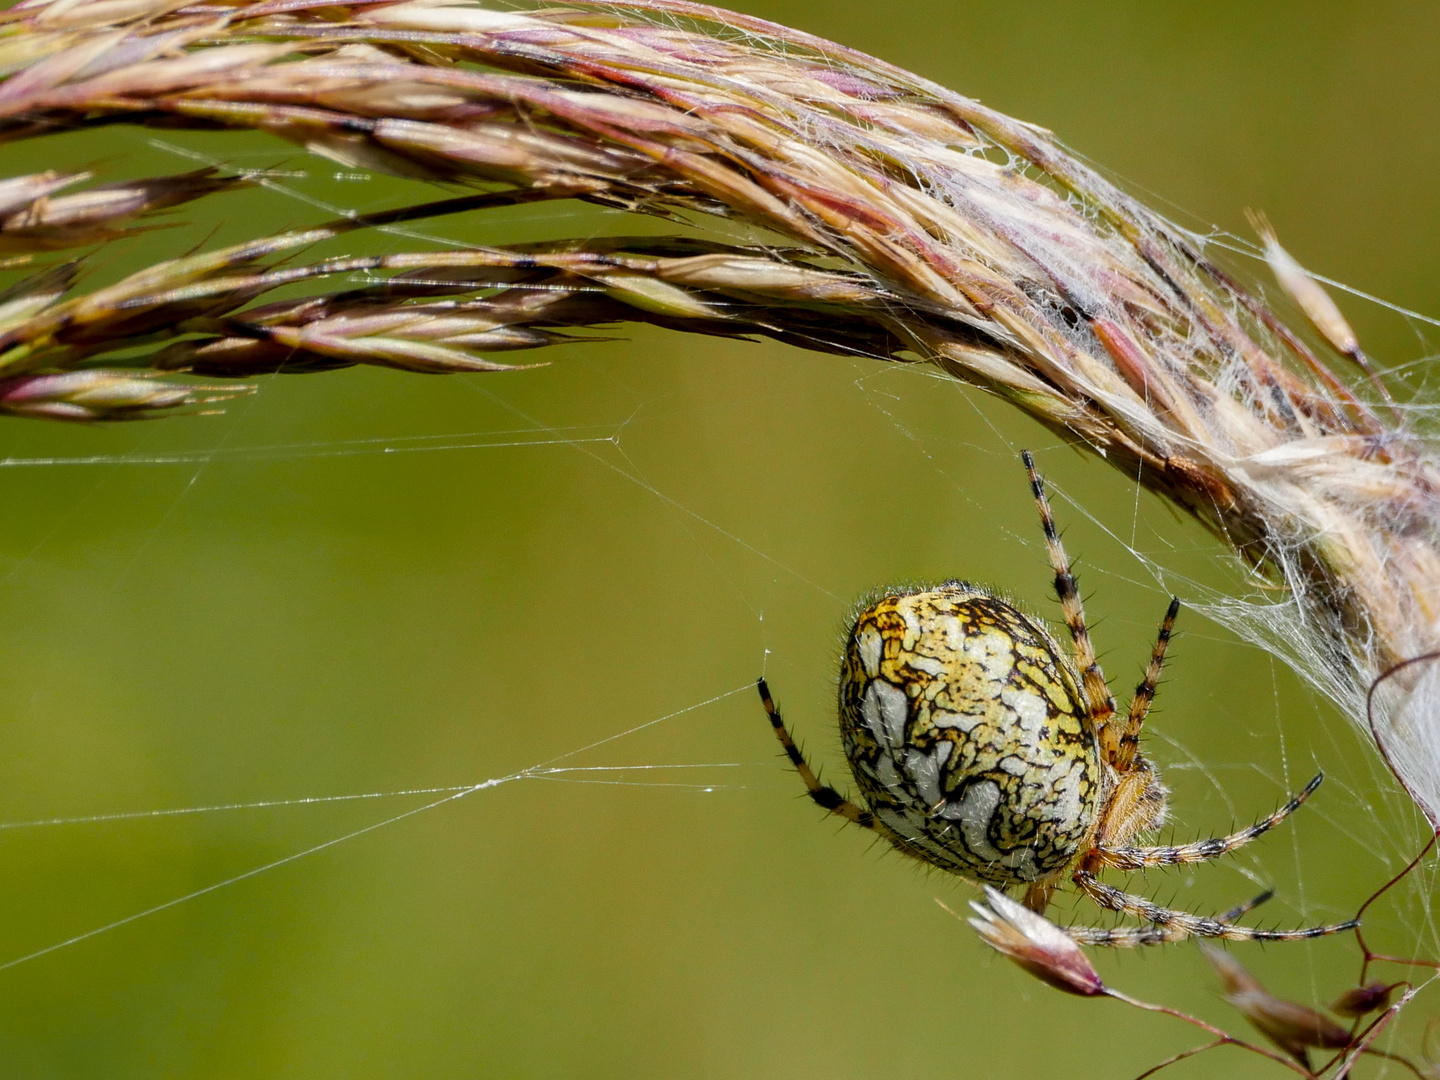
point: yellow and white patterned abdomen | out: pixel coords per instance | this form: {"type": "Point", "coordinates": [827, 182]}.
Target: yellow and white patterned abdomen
{"type": "Point", "coordinates": [966, 732]}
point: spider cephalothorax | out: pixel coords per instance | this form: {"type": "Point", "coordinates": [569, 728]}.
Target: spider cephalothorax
{"type": "Point", "coordinates": [980, 747]}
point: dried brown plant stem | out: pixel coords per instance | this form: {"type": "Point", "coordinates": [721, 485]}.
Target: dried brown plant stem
{"type": "Point", "coordinates": [889, 216]}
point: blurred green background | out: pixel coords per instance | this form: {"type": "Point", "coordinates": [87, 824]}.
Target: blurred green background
{"type": "Point", "coordinates": [566, 554]}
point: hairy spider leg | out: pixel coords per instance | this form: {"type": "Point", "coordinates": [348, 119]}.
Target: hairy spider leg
{"type": "Point", "coordinates": [1240, 910]}
{"type": "Point", "coordinates": [1170, 925]}
{"type": "Point", "coordinates": [1099, 701]}
{"type": "Point", "coordinates": [1142, 858]}
{"type": "Point", "coordinates": [823, 794]}
{"type": "Point", "coordinates": [1145, 692]}
{"type": "Point", "coordinates": [1134, 805]}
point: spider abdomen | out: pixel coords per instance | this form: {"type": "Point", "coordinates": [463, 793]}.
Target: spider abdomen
{"type": "Point", "coordinates": [966, 732]}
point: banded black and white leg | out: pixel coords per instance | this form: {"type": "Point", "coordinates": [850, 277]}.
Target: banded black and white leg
{"type": "Point", "coordinates": [824, 795]}
{"type": "Point", "coordinates": [1145, 692]}
{"type": "Point", "coordinates": [1167, 924]}
{"type": "Point", "coordinates": [1099, 701]}
{"type": "Point", "coordinates": [1129, 857]}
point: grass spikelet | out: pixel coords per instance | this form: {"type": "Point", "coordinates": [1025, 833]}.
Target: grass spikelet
{"type": "Point", "coordinates": [35, 219]}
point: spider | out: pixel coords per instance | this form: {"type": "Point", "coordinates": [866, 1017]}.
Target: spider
{"type": "Point", "coordinates": [982, 749]}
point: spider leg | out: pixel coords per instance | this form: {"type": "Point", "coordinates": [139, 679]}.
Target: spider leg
{"type": "Point", "coordinates": [1135, 804]}
{"type": "Point", "coordinates": [1037, 896]}
{"type": "Point", "coordinates": [1141, 858]}
{"type": "Point", "coordinates": [1171, 925]}
{"type": "Point", "coordinates": [1240, 910]}
{"type": "Point", "coordinates": [823, 794]}
{"type": "Point", "coordinates": [1145, 692]}
{"type": "Point", "coordinates": [1097, 693]}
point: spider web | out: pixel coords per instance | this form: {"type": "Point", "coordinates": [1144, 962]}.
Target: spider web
{"type": "Point", "coordinates": [612, 549]}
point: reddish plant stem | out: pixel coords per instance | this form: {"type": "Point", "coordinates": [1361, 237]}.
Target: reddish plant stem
{"type": "Point", "coordinates": [1222, 1037]}
{"type": "Point", "coordinates": [1399, 1058]}
{"type": "Point", "coordinates": [1347, 1057]}
{"type": "Point", "coordinates": [1181, 1056]}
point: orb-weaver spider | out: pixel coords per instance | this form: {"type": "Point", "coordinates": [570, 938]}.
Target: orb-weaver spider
{"type": "Point", "coordinates": [980, 748]}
